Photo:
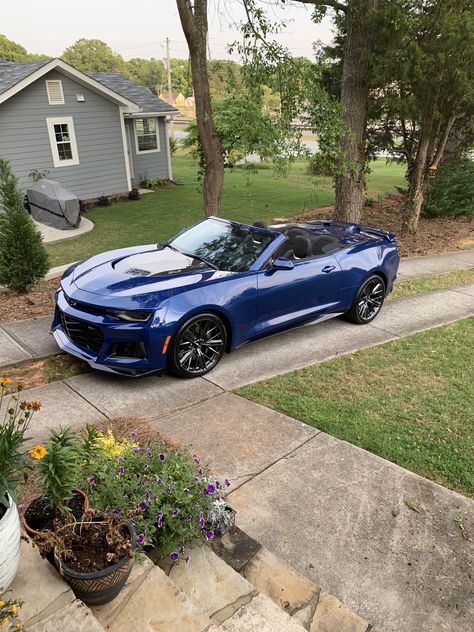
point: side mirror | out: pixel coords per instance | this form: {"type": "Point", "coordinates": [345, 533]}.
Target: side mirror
{"type": "Point", "coordinates": [282, 263]}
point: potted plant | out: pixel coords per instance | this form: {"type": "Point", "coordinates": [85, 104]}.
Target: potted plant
{"type": "Point", "coordinates": [58, 466]}
{"type": "Point", "coordinates": [164, 491]}
{"type": "Point", "coordinates": [14, 467]}
{"type": "Point", "coordinates": [94, 555]}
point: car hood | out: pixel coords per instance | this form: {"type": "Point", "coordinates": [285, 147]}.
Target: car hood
{"type": "Point", "coordinates": [138, 272]}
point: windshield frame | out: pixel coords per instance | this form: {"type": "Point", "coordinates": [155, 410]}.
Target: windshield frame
{"type": "Point", "coordinates": [274, 239]}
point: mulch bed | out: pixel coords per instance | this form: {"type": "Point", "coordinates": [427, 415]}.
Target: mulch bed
{"type": "Point", "coordinates": [18, 306]}
{"type": "Point", "coordinates": [434, 236]}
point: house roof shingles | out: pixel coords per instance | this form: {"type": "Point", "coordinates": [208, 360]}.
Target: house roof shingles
{"type": "Point", "coordinates": [141, 96]}
{"type": "Point", "coordinates": [13, 72]}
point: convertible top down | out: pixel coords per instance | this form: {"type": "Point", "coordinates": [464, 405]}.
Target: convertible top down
{"type": "Point", "coordinates": [179, 305]}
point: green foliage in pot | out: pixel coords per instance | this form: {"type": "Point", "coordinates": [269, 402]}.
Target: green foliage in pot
{"type": "Point", "coordinates": [14, 458]}
{"type": "Point", "coordinates": [59, 468]}
{"type": "Point", "coordinates": [166, 493]}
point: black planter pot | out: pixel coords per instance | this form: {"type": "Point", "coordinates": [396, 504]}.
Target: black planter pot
{"type": "Point", "coordinates": [101, 586]}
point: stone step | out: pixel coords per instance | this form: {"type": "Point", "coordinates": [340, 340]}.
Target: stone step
{"type": "Point", "coordinates": [259, 615]}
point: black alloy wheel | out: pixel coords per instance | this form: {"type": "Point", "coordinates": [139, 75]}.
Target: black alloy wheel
{"type": "Point", "coordinates": [368, 301]}
{"type": "Point", "coordinates": [198, 346]}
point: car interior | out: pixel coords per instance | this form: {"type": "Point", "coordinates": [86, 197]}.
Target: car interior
{"type": "Point", "coordinates": [302, 243]}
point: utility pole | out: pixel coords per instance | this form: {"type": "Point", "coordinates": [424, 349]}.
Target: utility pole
{"type": "Point", "coordinates": [168, 69]}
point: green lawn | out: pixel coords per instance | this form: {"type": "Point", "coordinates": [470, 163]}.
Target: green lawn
{"type": "Point", "coordinates": [409, 401]}
{"type": "Point", "coordinates": [246, 197]}
{"type": "Point", "coordinates": [431, 283]}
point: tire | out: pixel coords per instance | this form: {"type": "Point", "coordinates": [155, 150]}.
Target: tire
{"type": "Point", "coordinates": [191, 353]}
{"type": "Point", "coordinates": [367, 302]}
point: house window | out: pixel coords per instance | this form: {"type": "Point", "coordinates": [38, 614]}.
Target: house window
{"type": "Point", "coordinates": [55, 92]}
{"type": "Point", "coordinates": [146, 135]}
{"type": "Point", "coordinates": [63, 141]}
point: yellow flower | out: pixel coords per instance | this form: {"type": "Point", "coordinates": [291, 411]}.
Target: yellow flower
{"type": "Point", "coordinates": [4, 381]}
{"type": "Point", "coordinates": [2, 603]}
{"type": "Point", "coordinates": [38, 452]}
{"type": "Point", "coordinates": [13, 610]}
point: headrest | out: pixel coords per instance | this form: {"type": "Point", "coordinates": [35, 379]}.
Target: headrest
{"type": "Point", "coordinates": [301, 246]}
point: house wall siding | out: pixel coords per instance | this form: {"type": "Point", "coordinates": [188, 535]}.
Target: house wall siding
{"type": "Point", "coordinates": [24, 138]}
{"type": "Point", "coordinates": [153, 165]}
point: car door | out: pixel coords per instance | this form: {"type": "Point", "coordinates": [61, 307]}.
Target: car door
{"type": "Point", "coordinates": [289, 297]}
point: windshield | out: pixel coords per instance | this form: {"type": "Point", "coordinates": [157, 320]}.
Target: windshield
{"type": "Point", "coordinates": [225, 246]}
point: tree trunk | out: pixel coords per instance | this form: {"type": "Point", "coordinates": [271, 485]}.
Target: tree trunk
{"type": "Point", "coordinates": [195, 27]}
{"type": "Point", "coordinates": [416, 190]}
{"type": "Point", "coordinates": [354, 98]}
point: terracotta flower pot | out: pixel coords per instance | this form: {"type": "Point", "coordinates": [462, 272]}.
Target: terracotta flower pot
{"type": "Point", "coordinates": [102, 586]}
{"type": "Point", "coordinates": [10, 533]}
{"type": "Point", "coordinates": [33, 532]}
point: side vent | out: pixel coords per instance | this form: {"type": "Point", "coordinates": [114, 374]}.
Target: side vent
{"type": "Point", "coordinates": [55, 92]}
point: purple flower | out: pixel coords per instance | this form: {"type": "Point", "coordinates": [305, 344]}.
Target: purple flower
{"type": "Point", "coordinates": [201, 520]}
{"type": "Point", "coordinates": [186, 490]}
{"type": "Point", "coordinates": [146, 496]}
{"type": "Point", "coordinates": [142, 506]}
{"type": "Point", "coordinates": [159, 519]}
{"type": "Point", "coordinates": [120, 459]}
{"type": "Point", "coordinates": [187, 558]}
{"type": "Point", "coordinates": [196, 459]}
{"type": "Point", "coordinates": [211, 488]}
{"type": "Point", "coordinates": [133, 435]}
{"type": "Point", "coordinates": [161, 456]}
{"type": "Point", "coordinates": [182, 550]}
{"type": "Point", "coordinates": [200, 471]}
{"type": "Point", "coordinates": [158, 480]}
{"type": "Point", "coordinates": [227, 483]}
{"type": "Point", "coordinates": [209, 535]}
{"type": "Point", "coordinates": [145, 467]}
{"type": "Point", "coordinates": [175, 512]}
{"type": "Point", "coordinates": [188, 517]}
{"type": "Point", "coordinates": [145, 477]}
{"type": "Point", "coordinates": [121, 470]}
{"type": "Point", "coordinates": [196, 478]}
{"type": "Point", "coordinates": [117, 510]}
{"type": "Point", "coordinates": [149, 451]}
{"type": "Point", "coordinates": [141, 538]}
{"type": "Point", "coordinates": [136, 448]}
{"type": "Point", "coordinates": [93, 480]}
{"type": "Point", "coordinates": [174, 556]}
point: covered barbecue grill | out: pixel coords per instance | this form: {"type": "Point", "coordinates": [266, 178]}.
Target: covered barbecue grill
{"type": "Point", "coordinates": [53, 205]}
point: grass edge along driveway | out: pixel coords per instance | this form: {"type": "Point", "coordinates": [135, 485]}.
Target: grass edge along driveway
{"type": "Point", "coordinates": [408, 401]}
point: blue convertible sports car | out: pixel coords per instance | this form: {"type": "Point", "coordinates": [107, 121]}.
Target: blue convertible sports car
{"type": "Point", "coordinates": [216, 286]}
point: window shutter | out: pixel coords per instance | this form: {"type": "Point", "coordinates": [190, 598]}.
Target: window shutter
{"type": "Point", "coordinates": [55, 92]}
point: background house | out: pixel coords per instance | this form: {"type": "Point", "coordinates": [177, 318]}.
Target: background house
{"type": "Point", "coordinates": [96, 133]}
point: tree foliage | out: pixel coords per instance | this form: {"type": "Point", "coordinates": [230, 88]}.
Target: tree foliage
{"type": "Point", "coordinates": [244, 128]}
{"type": "Point", "coordinates": [149, 73]}
{"type": "Point", "coordinates": [11, 51]}
{"type": "Point", "coordinates": [23, 258]}
{"type": "Point", "coordinates": [93, 55]}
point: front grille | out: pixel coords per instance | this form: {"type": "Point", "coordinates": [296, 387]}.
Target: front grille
{"type": "Point", "coordinates": [85, 307]}
{"type": "Point", "coordinates": [83, 334]}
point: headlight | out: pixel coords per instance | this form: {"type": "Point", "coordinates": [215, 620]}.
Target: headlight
{"type": "Point", "coordinates": [137, 316]}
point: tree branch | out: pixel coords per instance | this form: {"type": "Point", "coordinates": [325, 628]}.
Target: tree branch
{"type": "Point", "coordinates": [337, 6]}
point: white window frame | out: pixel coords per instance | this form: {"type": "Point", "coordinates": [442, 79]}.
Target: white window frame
{"type": "Point", "coordinates": [147, 151]}
{"type": "Point", "coordinates": [48, 82]}
{"type": "Point", "coordinates": [64, 120]}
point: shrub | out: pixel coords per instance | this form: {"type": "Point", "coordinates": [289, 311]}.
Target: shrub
{"type": "Point", "coordinates": [451, 193]}
{"type": "Point", "coordinates": [165, 492]}
{"type": "Point", "coordinates": [23, 258]}
{"type": "Point", "coordinates": [320, 164]}
{"type": "Point", "coordinates": [103, 200]}
{"type": "Point", "coordinates": [153, 183]}
{"type": "Point", "coordinates": [134, 194]}
{"type": "Point", "coordinates": [173, 145]}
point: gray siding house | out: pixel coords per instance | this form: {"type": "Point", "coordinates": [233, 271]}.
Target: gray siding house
{"type": "Point", "coordinates": [96, 133]}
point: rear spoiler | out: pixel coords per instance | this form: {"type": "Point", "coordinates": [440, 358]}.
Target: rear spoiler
{"type": "Point", "coordinates": [356, 228]}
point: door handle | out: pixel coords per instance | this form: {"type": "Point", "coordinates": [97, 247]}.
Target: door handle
{"type": "Point", "coordinates": [328, 269]}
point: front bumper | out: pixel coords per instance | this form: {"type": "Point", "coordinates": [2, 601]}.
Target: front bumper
{"type": "Point", "coordinates": [106, 336]}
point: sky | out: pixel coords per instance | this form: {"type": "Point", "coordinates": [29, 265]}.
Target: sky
{"type": "Point", "coordinates": [140, 28]}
